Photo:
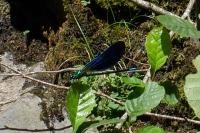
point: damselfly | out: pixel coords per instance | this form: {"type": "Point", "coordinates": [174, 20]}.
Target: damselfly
{"type": "Point", "coordinates": [103, 61]}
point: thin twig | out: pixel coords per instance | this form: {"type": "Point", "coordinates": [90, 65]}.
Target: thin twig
{"type": "Point", "coordinates": [136, 61]}
{"type": "Point", "coordinates": [99, 93]}
{"type": "Point", "coordinates": [40, 72]}
{"type": "Point", "coordinates": [173, 118]}
{"type": "Point", "coordinates": [153, 7]}
{"type": "Point", "coordinates": [128, 70]}
{"type": "Point", "coordinates": [34, 79]}
{"type": "Point", "coordinates": [123, 118]}
{"type": "Point", "coordinates": [10, 101]}
{"type": "Point", "coordinates": [63, 63]}
{"type": "Point", "coordinates": [34, 130]}
{"type": "Point", "coordinates": [147, 76]}
{"type": "Point", "coordinates": [74, 69]}
{"type": "Point", "coordinates": [188, 9]}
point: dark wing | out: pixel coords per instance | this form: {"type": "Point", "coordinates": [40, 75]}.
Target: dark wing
{"type": "Point", "coordinates": [107, 59]}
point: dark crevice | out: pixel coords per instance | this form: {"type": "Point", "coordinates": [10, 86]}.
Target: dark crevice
{"type": "Point", "coordinates": [36, 16]}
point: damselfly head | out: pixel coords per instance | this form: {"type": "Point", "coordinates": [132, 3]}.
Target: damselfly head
{"type": "Point", "coordinates": [76, 75]}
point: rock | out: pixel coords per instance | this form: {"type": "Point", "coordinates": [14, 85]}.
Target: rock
{"type": "Point", "coordinates": [19, 108]}
{"type": "Point", "coordinates": [10, 89]}
{"type": "Point", "coordinates": [24, 113]}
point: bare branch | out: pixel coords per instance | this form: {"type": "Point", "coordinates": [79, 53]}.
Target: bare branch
{"type": "Point", "coordinates": [108, 97]}
{"type": "Point", "coordinates": [34, 79]}
{"type": "Point", "coordinates": [34, 130]}
{"type": "Point", "coordinates": [40, 72]}
{"type": "Point", "coordinates": [152, 7]}
{"type": "Point", "coordinates": [173, 118]}
{"type": "Point", "coordinates": [188, 9]}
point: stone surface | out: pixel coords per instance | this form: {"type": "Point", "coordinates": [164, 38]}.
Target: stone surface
{"type": "Point", "coordinates": [24, 113]}
{"type": "Point", "coordinates": [18, 108]}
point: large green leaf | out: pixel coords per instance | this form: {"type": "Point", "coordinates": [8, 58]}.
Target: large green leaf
{"type": "Point", "coordinates": [182, 27]}
{"type": "Point", "coordinates": [151, 97]}
{"type": "Point", "coordinates": [158, 46]}
{"type": "Point", "coordinates": [151, 129]}
{"type": "Point", "coordinates": [192, 88]}
{"type": "Point", "coordinates": [80, 101]}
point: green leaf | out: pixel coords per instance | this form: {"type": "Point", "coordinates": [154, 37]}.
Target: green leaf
{"type": "Point", "coordinates": [158, 46]}
{"type": "Point", "coordinates": [192, 88]}
{"type": "Point", "coordinates": [151, 97]}
{"type": "Point", "coordinates": [151, 129]}
{"type": "Point", "coordinates": [94, 124]}
{"type": "Point", "coordinates": [80, 101]}
{"type": "Point", "coordinates": [171, 93]}
{"type": "Point", "coordinates": [182, 27]}
{"type": "Point", "coordinates": [137, 84]}
{"type": "Point", "coordinates": [133, 81]}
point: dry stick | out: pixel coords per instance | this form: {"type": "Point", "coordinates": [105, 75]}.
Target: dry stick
{"type": "Point", "coordinates": [10, 101]}
{"type": "Point", "coordinates": [173, 118]}
{"type": "Point", "coordinates": [188, 9]}
{"type": "Point", "coordinates": [34, 130]}
{"type": "Point", "coordinates": [71, 69]}
{"type": "Point", "coordinates": [99, 93]}
{"type": "Point", "coordinates": [56, 77]}
{"type": "Point", "coordinates": [152, 7]}
{"type": "Point", "coordinates": [136, 61]}
{"type": "Point", "coordinates": [63, 63]}
{"type": "Point", "coordinates": [33, 79]}
{"type": "Point", "coordinates": [40, 72]}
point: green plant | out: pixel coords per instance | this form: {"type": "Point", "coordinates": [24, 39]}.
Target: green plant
{"type": "Point", "coordinates": [133, 96]}
{"type": "Point", "coordinates": [158, 46]}
{"type": "Point", "coordinates": [139, 97]}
